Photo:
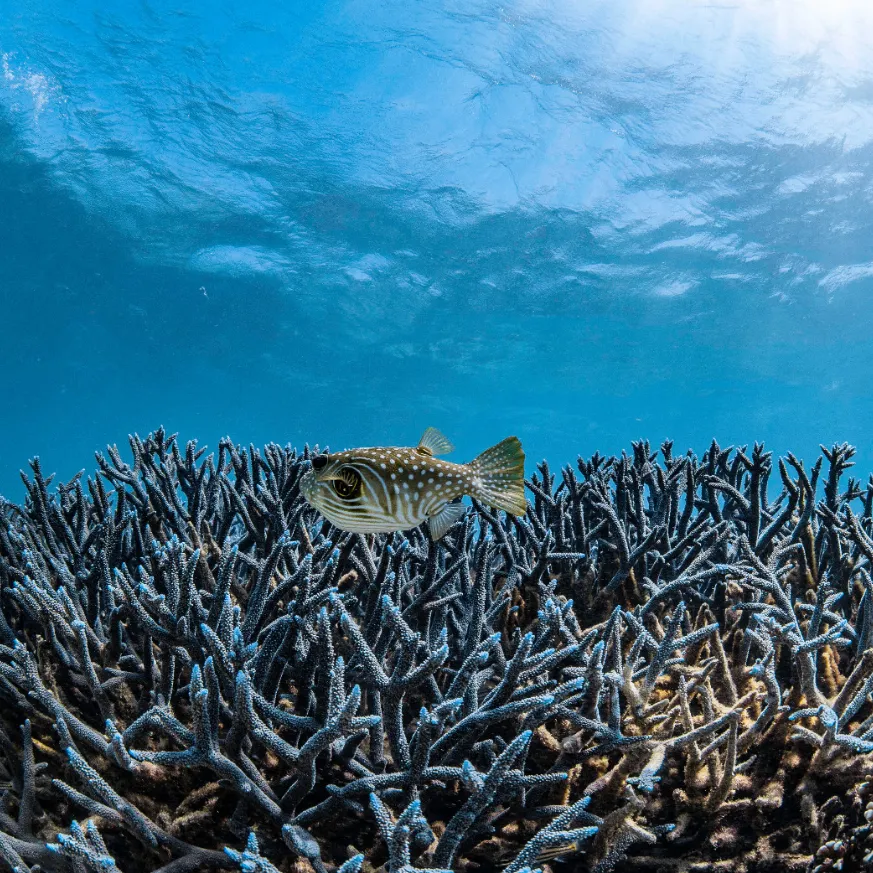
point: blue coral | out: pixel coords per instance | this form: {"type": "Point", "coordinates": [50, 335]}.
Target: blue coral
{"type": "Point", "coordinates": [593, 681]}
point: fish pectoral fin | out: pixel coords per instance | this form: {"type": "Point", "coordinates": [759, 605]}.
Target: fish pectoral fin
{"type": "Point", "coordinates": [445, 518]}
{"type": "Point", "coordinates": [433, 442]}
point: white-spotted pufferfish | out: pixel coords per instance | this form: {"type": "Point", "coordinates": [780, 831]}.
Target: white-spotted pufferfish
{"type": "Point", "coordinates": [380, 490]}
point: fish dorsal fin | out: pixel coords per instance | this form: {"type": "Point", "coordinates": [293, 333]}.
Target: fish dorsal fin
{"type": "Point", "coordinates": [445, 518]}
{"type": "Point", "coordinates": [432, 443]}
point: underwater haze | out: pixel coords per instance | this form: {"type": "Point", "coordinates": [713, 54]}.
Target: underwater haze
{"type": "Point", "coordinates": [582, 223]}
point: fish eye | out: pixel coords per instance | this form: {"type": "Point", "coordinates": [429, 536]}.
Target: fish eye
{"type": "Point", "coordinates": [319, 462]}
{"type": "Point", "coordinates": [348, 485]}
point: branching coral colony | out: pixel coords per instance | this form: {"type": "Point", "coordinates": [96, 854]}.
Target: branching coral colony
{"type": "Point", "coordinates": [657, 668]}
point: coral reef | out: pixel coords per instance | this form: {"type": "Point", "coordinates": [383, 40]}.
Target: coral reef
{"type": "Point", "coordinates": [663, 666]}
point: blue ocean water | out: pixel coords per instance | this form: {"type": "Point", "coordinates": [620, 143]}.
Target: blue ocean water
{"type": "Point", "coordinates": [340, 222]}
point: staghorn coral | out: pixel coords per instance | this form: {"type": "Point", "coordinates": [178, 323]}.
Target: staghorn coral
{"type": "Point", "coordinates": [662, 666]}
{"type": "Point", "coordinates": [849, 831]}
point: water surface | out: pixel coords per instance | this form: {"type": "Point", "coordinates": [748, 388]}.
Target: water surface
{"type": "Point", "coordinates": [583, 223]}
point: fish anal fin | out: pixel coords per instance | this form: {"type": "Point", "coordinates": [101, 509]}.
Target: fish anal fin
{"type": "Point", "coordinates": [444, 519]}
{"type": "Point", "coordinates": [433, 442]}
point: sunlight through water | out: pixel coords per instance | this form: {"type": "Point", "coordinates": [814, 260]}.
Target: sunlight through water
{"type": "Point", "coordinates": [583, 222]}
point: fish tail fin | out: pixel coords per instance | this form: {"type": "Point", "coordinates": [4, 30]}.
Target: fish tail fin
{"type": "Point", "coordinates": [498, 476]}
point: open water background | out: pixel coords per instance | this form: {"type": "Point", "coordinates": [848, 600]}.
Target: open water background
{"type": "Point", "coordinates": [579, 222]}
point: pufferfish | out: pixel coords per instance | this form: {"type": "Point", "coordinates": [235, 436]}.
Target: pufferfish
{"type": "Point", "coordinates": [380, 490]}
